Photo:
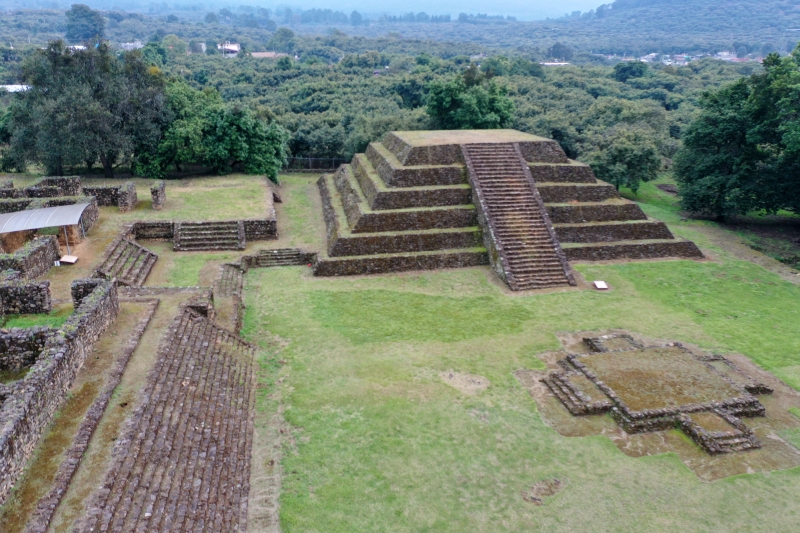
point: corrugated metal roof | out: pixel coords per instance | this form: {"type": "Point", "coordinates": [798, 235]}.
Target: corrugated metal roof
{"type": "Point", "coordinates": [48, 217]}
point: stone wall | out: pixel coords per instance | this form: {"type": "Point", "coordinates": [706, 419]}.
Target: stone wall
{"type": "Point", "coordinates": [23, 297]}
{"type": "Point", "coordinates": [158, 193]}
{"type": "Point", "coordinates": [155, 230]}
{"type": "Point", "coordinates": [31, 402]}
{"type": "Point", "coordinates": [33, 259]}
{"type": "Point", "coordinates": [127, 197]}
{"type": "Point", "coordinates": [122, 196]}
{"type": "Point", "coordinates": [260, 229]}
{"type": "Point", "coordinates": [20, 347]}
{"type": "Point", "coordinates": [41, 191]}
{"type": "Point", "coordinates": [12, 204]}
{"type": "Point", "coordinates": [67, 185]}
{"type": "Point", "coordinates": [399, 263]}
{"type": "Point", "coordinates": [106, 195]}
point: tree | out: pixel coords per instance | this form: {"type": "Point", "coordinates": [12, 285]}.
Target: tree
{"type": "Point", "coordinates": [629, 69]}
{"type": "Point", "coordinates": [282, 40]}
{"type": "Point", "coordinates": [85, 105]}
{"type": "Point", "coordinates": [211, 18]}
{"type": "Point", "coordinates": [356, 19]}
{"type": "Point", "coordinates": [284, 63]}
{"type": "Point", "coordinates": [452, 105]}
{"type": "Point", "coordinates": [174, 45]}
{"type": "Point", "coordinates": [83, 23]}
{"type": "Point", "coordinates": [713, 167]}
{"type": "Point", "coordinates": [742, 152]}
{"type": "Point", "coordinates": [560, 51]}
{"type": "Point", "coordinates": [206, 131]}
{"type": "Point", "coordinates": [154, 54]}
{"type": "Point", "coordinates": [626, 156]}
{"type": "Point", "coordinates": [235, 138]}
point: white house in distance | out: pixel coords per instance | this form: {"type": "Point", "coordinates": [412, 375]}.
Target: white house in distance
{"type": "Point", "coordinates": [229, 49]}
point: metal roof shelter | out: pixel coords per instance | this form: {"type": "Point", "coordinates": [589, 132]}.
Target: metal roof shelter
{"type": "Point", "coordinates": [47, 217]}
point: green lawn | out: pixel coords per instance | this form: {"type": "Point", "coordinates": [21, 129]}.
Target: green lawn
{"type": "Point", "coordinates": [381, 443]}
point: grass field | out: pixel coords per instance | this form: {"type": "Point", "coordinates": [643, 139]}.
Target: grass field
{"type": "Point", "coordinates": [380, 443]}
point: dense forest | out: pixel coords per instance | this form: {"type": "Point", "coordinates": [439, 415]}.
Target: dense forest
{"type": "Point", "coordinates": [635, 27]}
{"type": "Point", "coordinates": [334, 93]}
{"type": "Point", "coordinates": [328, 96]}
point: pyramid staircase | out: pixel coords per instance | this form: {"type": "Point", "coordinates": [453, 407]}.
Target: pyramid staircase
{"type": "Point", "coordinates": [195, 236]}
{"type": "Point", "coordinates": [528, 251]}
{"type": "Point", "coordinates": [127, 261]}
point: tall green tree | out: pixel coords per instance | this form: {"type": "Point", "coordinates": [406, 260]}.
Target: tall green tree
{"type": "Point", "coordinates": [625, 157]}
{"type": "Point", "coordinates": [453, 105]}
{"type": "Point", "coordinates": [83, 23]}
{"type": "Point", "coordinates": [84, 106]}
{"type": "Point", "coordinates": [236, 138]}
{"type": "Point", "coordinates": [742, 152]}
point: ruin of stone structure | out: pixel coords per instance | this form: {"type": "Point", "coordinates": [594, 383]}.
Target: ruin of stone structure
{"type": "Point", "coordinates": [661, 387]}
{"type": "Point", "coordinates": [444, 199]}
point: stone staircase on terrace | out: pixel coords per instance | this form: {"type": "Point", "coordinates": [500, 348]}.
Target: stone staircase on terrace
{"type": "Point", "coordinates": [529, 253]}
{"type": "Point", "coordinates": [127, 261]}
{"type": "Point", "coordinates": [194, 236]}
{"type": "Point", "coordinates": [278, 257]}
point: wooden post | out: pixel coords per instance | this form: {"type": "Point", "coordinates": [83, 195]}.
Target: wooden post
{"type": "Point", "coordinates": [66, 240]}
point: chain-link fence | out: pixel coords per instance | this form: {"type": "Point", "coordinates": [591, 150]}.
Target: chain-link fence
{"type": "Point", "coordinates": [313, 164]}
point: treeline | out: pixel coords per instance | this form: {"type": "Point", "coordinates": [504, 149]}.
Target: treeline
{"type": "Point", "coordinates": [412, 17]}
{"type": "Point", "coordinates": [695, 26]}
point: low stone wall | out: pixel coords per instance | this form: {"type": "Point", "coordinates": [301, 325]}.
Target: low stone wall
{"type": "Point", "coordinates": [6, 184]}
{"type": "Point", "coordinates": [564, 193]}
{"type": "Point", "coordinates": [156, 230]}
{"type": "Point", "coordinates": [405, 198]}
{"type": "Point", "coordinates": [22, 297]}
{"type": "Point", "coordinates": [19, 347]}
{"type": "Point", "coordinates": [12, 204]}
{"type": "Point", "coordinates": [398, 263]}
{"type": "Point", "coordinates": [573, 173]}
{"type": "Point", "coordinates": [158, 192]}
{"type": "Point", "coordinates": [395, 175]}
{"type": "Point", "coordinates": [67, 185]}
{"type": "Point", "coordinates": [74, 455]}
{"type": "Point", "coordinates": [577, 213]}
{"type": "Point", "coordinates": [254, 230]}
{"type": "Point", "coordinates": [355, 244]}
{"type": "Point", "coordinates": [42, 192]}
{"type": "Point", "coordinates": [31, 402]}
{"type": "Point", "coordinates": [613, 232]}
{"type": "Point", "coordinates": [11, 192]}
{"type": "Point", "coordinates": [122, 196]}
{"type": "Point", "coordinates": [682, 249]}
{"type": "Point", "coordinates": [33, 259]}
{"type": "Point", "coordinates": [260, 229]}
{"type": "Point", "coordinates": [106, 195]}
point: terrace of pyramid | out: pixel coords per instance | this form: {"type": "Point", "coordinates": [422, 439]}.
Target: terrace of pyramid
{"type": "Point", "coordinates": [426, 200]}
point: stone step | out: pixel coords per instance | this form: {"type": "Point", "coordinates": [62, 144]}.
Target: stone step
{"type": "Point", "coordinates": [513, 213]}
